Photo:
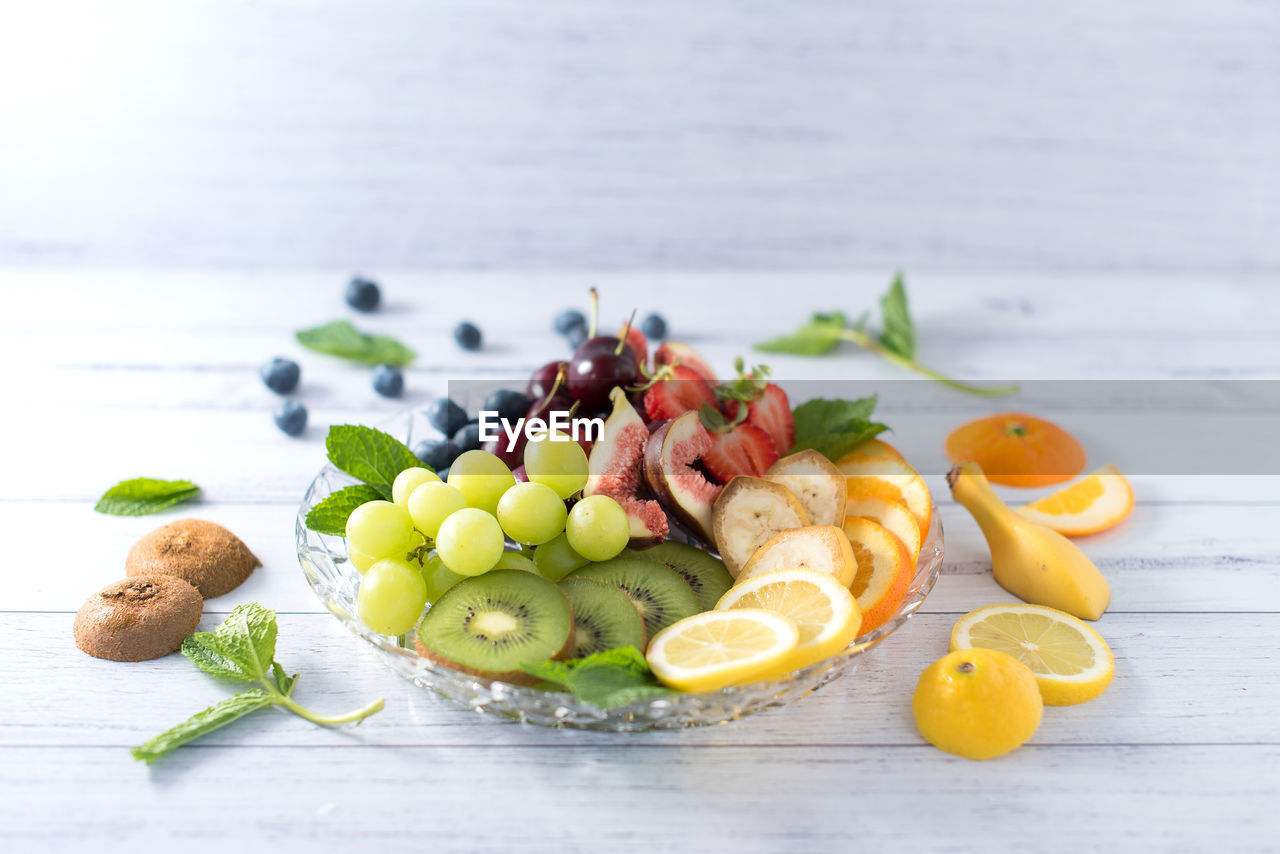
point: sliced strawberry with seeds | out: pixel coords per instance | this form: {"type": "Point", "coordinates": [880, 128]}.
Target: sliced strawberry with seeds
{"type": "Point", "coordinates": [682, 390]}
{"type": "Point", "coordinates": [744, 450]}
{"type": "Point", "coordinates": [771, 412]}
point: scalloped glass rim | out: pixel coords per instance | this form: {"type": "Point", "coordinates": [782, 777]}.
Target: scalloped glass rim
{"type": "Point", "coordinates": [335, 582]}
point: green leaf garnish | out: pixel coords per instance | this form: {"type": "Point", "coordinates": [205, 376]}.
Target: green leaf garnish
{"type": "Point", "coordinates": [144, 495]}
{"type": "Point", "coordinates": [369, 455]}
{"type": "Point", "coordinates": [330, 515]}
{"type": "Point", "coordinates": [899, 335]}
{"type": "Point", "coordinates": [833, 428]}
{"type": "Point", "coordinates": [341, 339]}
{"type": "Point", "coordinates": [242, 648]}
{"type": "Point", "coordinates": [607, 679]}
{"type": "Point", "coordinates": [896, 341]}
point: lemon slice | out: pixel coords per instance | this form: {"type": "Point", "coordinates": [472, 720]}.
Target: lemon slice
{"type": "Point", "coordinates": [1071, 662]}
{"type": "Point", "coordinates": [1100, 501]}
{"type": "Point", "coordinates": [823, 609]}
{"type": "Point", "coordinates": [713, 649]}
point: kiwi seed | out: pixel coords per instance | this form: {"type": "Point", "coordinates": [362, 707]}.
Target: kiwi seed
{"type": "Point", "coordinates": [139, 618]}
{"type": "Point", "coordinates": [204, 554]}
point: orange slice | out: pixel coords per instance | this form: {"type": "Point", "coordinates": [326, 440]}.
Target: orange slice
{"type": "Point", "coordinates": [1100, 501]}
{"type": "Point", "coordinates": [888, 478]}
{"type": "Point", "coordinates": [892, 516]}
{"type": "Point", "coordinates": [884, 571]}
{"type": "Point", "coordinates": [878, 449]}
{"type": "Point", "coordinates": [1016, 449]}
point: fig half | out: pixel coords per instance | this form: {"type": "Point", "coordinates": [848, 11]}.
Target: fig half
{"type": "Point", "coordinates": [616, 469]}
{"type": "Point", "coordinates": [668, 468]}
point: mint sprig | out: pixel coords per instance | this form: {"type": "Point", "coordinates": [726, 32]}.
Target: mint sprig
{"type": "Point", "coordinates": [330, 515]}
{"type": "Point", "coordinates": [142, 496]}
{"type": "Point", "coordinates": [896, 341]}
{"type": "Point", "coordinates": [606, 679]}
{"type": "Point", "coordinates": [833, 428]}
{"type": "Point", "coordinates": [343, 340]}
{"type": "Point", "coordinates": [369, 455]}
{"type": "Point", "coordinates": [242, 648]}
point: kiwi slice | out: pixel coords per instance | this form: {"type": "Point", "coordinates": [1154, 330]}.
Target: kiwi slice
{"type": "Point", "coordinates": [661, 596]}
{"type": "Point", "coordinates": [706, 575]}
{"type": "Point", "coordinates": [491, 624]}
{"type": "Point", "coordinates": [603, 617]}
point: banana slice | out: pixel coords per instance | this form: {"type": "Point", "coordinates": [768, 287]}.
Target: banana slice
{"type": "Point", "coordinates": [823, 548]}
{"type": "Point", "coordinates": [816, 481]}
{"type": "Point", "coordinates": [748, 513]}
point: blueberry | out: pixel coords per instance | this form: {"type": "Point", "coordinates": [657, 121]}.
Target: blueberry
{"type": "Point", "coordinates": [443, 474]}
{"type": "Point", "coordinates": [437, 453]}
{"type": "Point", "coordinates": [362, 294]}
{"type": "Point", "coordinates": [576, 336]}
{"type": "Point", "coordinates": [388, 381]}
{"type": "Point", "coordinates": [291, 417]}
{"type": "Point", "coordinates": [468, 437]}
{"type": "Point", "coordinates": [446, 416]}
{"type": "Point", "coordinates": [508, 404]}
{"type": "Point", "coordinates": [467, 335]}
{"type": "Point", "coordinates": [568, 319]}
{"type": "Point", "coordinates": [654, 327]}
{"type": "Point", "coordinates": [281, 375]}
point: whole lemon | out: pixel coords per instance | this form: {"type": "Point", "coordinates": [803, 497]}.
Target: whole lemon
{"type": "Point", "coordinates": [977, 703]}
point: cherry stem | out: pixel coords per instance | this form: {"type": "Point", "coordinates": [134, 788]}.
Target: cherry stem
{"type": "Point", "coordinates": [555, 387]}
{"type": "Point", "coordinates": [622, 336]}
{"type": "Point", "coordinates": [595, 313]}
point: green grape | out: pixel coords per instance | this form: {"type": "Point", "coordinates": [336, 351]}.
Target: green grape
{"type": "Point", "coordinates": [439, 577]}
{"type": "Point", "coordinates": [392, 596]}
{"type": "Point", "coordinates": [409, 480]}
{"type": "Point", "coordinates": [559, 463]}
{"type": "Point", "coordinates": [556, 559]}
{"type": "Point", "coordinates": [598, 528]}
{"type": "Point", "coordinates": [432, 503]}
{"type": "Point", "coordinates": [531, 513]}
{"type": "Point", "coordinates": [380, 529]}
{"type": "Point", "coordinates": [470, 541]}
{"type": "Point", "coordinates": [482, 478]}
{"type": "Point", "coordinates": [360, 560]}
{"type": "Point", "coordinates": [515, 560]}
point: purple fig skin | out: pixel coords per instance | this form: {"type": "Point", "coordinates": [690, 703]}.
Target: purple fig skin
{"type": "Point", "coordinates": [606, 470]}
{"type": "Point", "coordinates": [693, 511]}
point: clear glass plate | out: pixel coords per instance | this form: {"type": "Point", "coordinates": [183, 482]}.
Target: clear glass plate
{"type": "Point", "coordinates": [335, 582]}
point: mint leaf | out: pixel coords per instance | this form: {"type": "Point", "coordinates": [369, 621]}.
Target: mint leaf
{"type": "Point", "coordinates": [144, 495]}
{"type": "Point", "coordinates": [248, 638]}
{"type": "Point", "coordinates": [341, 339]}
{"type": "Point", "coordinates": [216, 716]}
{"type": "Point", "coordinates": [369, 455]}
{"type": "Point", "coordinates": [816, 338]}
{"type": "Point", "coordinates": [899, 335]}
{"type": "Point", "coordinates": [243, 648]}
{"type": "Point", "coordinates": [833, 428]}
{"type": "Point", "coordinates": [205, 651]}
{"type": "Point", "coordinates": [330, 515]}
{"type": "Point", "coordinates": [606, 679]}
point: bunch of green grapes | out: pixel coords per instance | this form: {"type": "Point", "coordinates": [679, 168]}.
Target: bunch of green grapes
{"type": "Point", "coordinates": [467, 522]}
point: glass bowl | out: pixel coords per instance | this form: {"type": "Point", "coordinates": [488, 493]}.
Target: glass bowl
{"type": "Point", "coordinates": [335, 581]}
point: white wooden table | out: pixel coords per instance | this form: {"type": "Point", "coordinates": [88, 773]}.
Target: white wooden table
{"type": "Point", "coordinates": [109, 376]}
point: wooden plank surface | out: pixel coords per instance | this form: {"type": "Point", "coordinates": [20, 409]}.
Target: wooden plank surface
{"type": "Point", "coordinates": [155, 373]}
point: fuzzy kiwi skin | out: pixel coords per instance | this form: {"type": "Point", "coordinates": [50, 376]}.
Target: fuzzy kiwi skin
{"type": "Point", "coordinates": [204, 554]}
{"type": "Point", "coordinates": [138, 618]}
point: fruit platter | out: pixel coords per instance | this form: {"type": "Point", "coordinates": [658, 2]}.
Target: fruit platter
{"type": "Point", "coordinates": [626, 542]}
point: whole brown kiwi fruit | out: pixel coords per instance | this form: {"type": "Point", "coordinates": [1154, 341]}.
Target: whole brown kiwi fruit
{"type": "Point", "coordinates": [204, 554]}
{"type": "Point", "coordinates": [139, 618]}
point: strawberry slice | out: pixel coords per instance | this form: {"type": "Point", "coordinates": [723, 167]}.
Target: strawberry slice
{"type": "Point", "coordinates": [681, 391]}
{"type": "Point", "coordinates": [639, 346]}
{"type": "Point", "coordinates": [744, 450]}
{"type": "Point", "coordinates": [771, 412]}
